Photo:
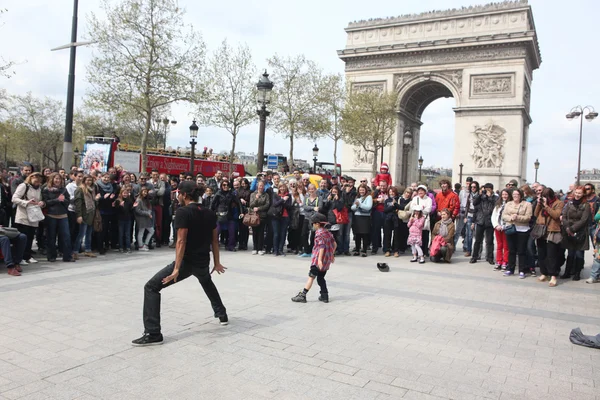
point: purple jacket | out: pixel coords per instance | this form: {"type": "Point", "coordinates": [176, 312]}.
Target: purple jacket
{"type": "Point", "coordinates": [433, 203]}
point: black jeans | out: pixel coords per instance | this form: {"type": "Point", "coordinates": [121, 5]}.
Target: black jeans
{"type": "Point", "coordinates": [390, 244]}
{"type": "Point", "coordinates": [517, 247]}
{"type": "Point", "coordinates": [308, 236]}
{"type": "Point", "coordinates": [243, 234]}
{"type": "Point", "coordinates": [402, 236]}
{"type": "Point", "coordinates": [258, 235]}
{"type": "Point", "coordinates": [480, 231]}
{"type": "Point", "coordinates": [365, 241]}
{"type": "Point", "coordinates": [154, 286]}
{"type": "Point", "coordinates": [28, 231]}
{"type": "Point", "coordinates": [322, 283]}
{"type": "Point", "coordinates": [548, 257]}
{"type": "Point", "coordinates": [425, 240]}
{"type": "Point", "coordinates": [295, 235]}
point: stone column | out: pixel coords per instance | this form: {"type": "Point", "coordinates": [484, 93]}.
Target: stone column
{"type": "Point", "coordinates": [398, 151]}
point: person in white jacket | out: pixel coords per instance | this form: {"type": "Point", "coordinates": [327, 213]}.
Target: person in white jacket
{"type": "Point", "coordinates": [499, 225]}
{"type": "Point", "coordinates": [361, 221]}
{"type": "Point", "coordinates": [422, 202]}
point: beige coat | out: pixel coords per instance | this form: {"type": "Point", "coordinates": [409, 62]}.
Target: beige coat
{"type": "Point", "coordinates": [22, 202]}
{"type": "Point", "coordinates": [522, 210]}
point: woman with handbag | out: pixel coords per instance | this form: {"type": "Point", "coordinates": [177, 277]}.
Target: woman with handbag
{"type": "Point", "coordinates": [85, 210]}
{"type": "Point", "coordinates": [361, 220]}
{"type": "Point", "coordinates": [576, 216]}
{"type": "Point", "coordinates": [296, 218]}
{"type": "Point", "coordinates": [546, 232]}
{"type": "Point", "coordinates": [444, 229]}
{"type": "Point", "coordinates": [109, 236]}
{"type": "Point", "coordinates": [334, 210]}
{"type": "Point", "coordinates": [280, 217]}
{"type": "Point", "coordinates": [499, 225]}
{"type": "Point", "coordinates": [28, 199]}
{"type": "Point", "coordinates": [57, 200]}
{"type": "Point", "coordinates": [391, 223]}
{"type": "Point", "coordinates": [223, 205]}
{"type": "Point", "coordinates": [259, 205]}
{"type": "Point", "coordinates": [517, 214]}
{"type": "Point", "coordinates": [142, 209]}
{"type": "Point", "coordinates": [243, 194]}
{"type": "Point", "coordinates": [404, 211]}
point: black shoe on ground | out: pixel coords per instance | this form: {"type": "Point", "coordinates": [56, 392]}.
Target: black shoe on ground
{"type": "Point", "coordinates": [472, 261]}
{"type": "Point", "coordinates": [363, 254]}
{"type": "Point", "coordinates": [299, 298]}
{"type": "Point", "coordinates": [346, 253]}
{"type": "Point", "coordinates": [148, 340]}
{"type": "Point", "coordinates": [491, 262]}
{"type": "Point", "coordinates": [158, 245]}
{"type": "Point", "coordinates": [356, 254]}
{"type": "Point", "coordinates": [52, 259]}
{"type": "Point", "coordinates": [223, 319]}
{"type": "Point", "coordinates": [374, 251]}
{"type": "Point", "coordinates": [324, 298]}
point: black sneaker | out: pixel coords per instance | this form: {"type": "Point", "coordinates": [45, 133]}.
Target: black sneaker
{"type": "Point", "coordinates": [299, 298]}
{"type": "Point", "coordinates": [374, 251]}
{"type": "Point", "coordinates": [224, 320]}
{"type": "Point", "coordinates": [356, 254]}
{"type": "Point", "coordinates": [346, 253]}
{"type": "Point", "coordinates": [324, 299]}
{"type": "Point", "coordinates": [363, 254]}
{"type": "Point", "coordinates": [148, 340]}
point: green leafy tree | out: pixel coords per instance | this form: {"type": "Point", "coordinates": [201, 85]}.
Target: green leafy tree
{"type": "Point", "coordinates": [147, 59]}
{"type": "Point", "coordinates": [369, 121]}
{"type": "Point", "coordinates": [229, 100]}
{"type": "Point", "coordinates": [296, 106]}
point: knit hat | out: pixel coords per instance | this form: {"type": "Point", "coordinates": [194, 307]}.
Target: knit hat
{"type": "Point", "coordinates": [422, 187]}
{"type": "Point", "coordinates": [384, 166]}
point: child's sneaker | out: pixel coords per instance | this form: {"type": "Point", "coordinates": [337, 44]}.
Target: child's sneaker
{"type": "Point", "coordinates": [497, 267]}
{"type": "Point", "coordinates": [421, 260]}
{"type": "Point", "coordinates": [414, 259]}
{"type": "Point", "coordinates": [299, 298]}
{"type": "Point", "coordinates": [504, 267]}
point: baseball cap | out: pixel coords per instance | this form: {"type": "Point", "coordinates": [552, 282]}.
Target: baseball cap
{"type": "Point", "coordinates": [318, 218]}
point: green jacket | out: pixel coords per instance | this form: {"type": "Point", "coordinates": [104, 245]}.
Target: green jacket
{"type": "Point", "coordinates": [81, 210]}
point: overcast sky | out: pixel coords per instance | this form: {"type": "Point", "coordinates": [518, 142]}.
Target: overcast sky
{"type": "Point", "coordinates": [568, 35]}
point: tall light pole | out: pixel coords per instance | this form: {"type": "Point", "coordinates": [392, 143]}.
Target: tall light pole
{"type": "Point", "coordinates": [315, 158]}
{"type": "Point", "coordinates": [76, 154]}
{"type": "Point", "coordinates": [420, 167]}
{"type": "Point", "coordinates": [460, 172]}
{"type": "Point", "coordinates": [577, 112]}
{"type": "Point", "coordinates": [193, 135]}
{"type": "Point", "coordinates": [407, 142]}
{"type": "Point", "coordinates": [263, 98]}
{"type": "Point", "coordinates": [536, 165]}
{"type": "Point", "coordinates": [165, 122]}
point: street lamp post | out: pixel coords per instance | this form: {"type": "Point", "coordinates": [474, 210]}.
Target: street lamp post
{"type": "Point", "coordinates": [460, 172]}
{"type": "Point", "coordinates": [420, 167]}
{"type": "Point", "coordinates": [76, 154]}
{"type": "Point", "coordinates": [264, 87]}
{"type": "Point", "coordinates": [165, 122]}
{"type": "Point", "coordinates": [577, 112]}
{"type": "Point", "coordinates": [315, 158]}
{"type": "Point", "coordinates": [536, 165]}
{"type": "Point", "coordinates": [193, 135]}
{"type": "Point", "coordinates": [407, 142]}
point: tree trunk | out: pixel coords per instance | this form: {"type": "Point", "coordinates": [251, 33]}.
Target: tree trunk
{"type": "Point", "coordinates": [232, 153]}
{"type": "Point", "coordinates": [145, 141]}
{"type": "Point", "coordinates": [291, 160]}
{"type": "Point", "coordinates": [335, 142]}
{"type": "Point", "coordinates": [374, 166]}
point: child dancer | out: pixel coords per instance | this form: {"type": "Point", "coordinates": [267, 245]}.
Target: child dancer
{"type": "Point", "coordinates": [415, 230]}
{"type": "Point", "coordinates": [323, 255]}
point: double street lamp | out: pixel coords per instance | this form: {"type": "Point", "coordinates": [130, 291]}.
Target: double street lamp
{"type": "Point", "coordinates": [263, 98]}
{"type": "Point", "coordinates": [536, 165]}
{"type": "Point", "coordinates": [315, 158]}
{"type": "Point", "coordinates": [407, 142]}
{"type": "Point", "coordinates": [165, 122]}
{"type": "Point", "coordinates": [575, 113]}
{"type": "Point", "coordinates": [420, 167]}
{"type": "Point", "coordinates": [193, 135]}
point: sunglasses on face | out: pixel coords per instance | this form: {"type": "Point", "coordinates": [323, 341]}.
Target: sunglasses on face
{"type": "Point", "coordinates": [363, 181]}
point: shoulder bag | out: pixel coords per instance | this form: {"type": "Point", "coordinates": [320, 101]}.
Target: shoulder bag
{"type": "Point", "coordinates": [512, 228]}
{"type": "Point", "coordinates": [539, 230]}
{"type": "Point", "coordinates": [251, 219]}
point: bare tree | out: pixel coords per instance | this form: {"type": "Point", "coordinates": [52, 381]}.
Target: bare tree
{"type": "Point", "coordinates": [298, 87]}
{"type": "Point", "coordinates": [369, 121]}
{"type": "Point", "coordinates": [229, 101]}
{"type": "Point", "coordinates": [147, 59]}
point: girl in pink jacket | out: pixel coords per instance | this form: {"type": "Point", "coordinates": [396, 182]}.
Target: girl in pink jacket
{"type": "Point", "coordinates": [415, 229]}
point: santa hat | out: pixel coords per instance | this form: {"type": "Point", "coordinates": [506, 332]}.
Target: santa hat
{"type": "Point", "coordinates": [384, 166]}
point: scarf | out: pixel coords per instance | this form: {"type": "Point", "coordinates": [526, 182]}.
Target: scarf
{"type": "Point", "coordinates": [550, 202]}
{"type": "Point", "coordinates": [88, 197]}
{"type": "Point", "coordinates": [444, 227]}
{"type": "Point", "coordinates": [106, 187]}
{"type": "Point", "coordinates": [576, 203]}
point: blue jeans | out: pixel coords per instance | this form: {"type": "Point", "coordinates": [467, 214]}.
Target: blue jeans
{"type": "Point", "coordinates": [125, 234]}
{"type": "Point", "coordinates": [595, 274]}
{"type": "Point", "coordinates": [279, 229]}
{"type": "Point", "coordinates": [84, 230]}
{"type": "Point", "coordinates": [60, 227]}
{"type": "Point", "coordinates": [468, 242]}
{"type": "Point", "coordinates": [13, 256]}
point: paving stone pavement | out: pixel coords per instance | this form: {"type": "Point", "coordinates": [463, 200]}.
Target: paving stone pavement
{"type": "Point", "coordinates": [458, 331]}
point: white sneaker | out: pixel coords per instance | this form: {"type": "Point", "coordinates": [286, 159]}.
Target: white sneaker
{"type": "Point", "coordinates": [254, 252]}
{"type": "Point", "coordinates": [32, 261]}
{"type": "Point", "coordinates": [23, 262]}
{"type": "Point", "coordinates": [591, 280]}
{"type": "Point", "coordinates": [262, 253]}
{"type": "Point", "coordinates": [144, 248]}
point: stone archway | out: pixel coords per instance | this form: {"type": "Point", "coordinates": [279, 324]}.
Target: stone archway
{"type": "Point", "coordinates": [482, 56]}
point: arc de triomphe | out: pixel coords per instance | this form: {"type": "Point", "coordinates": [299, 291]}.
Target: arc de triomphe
{"type": "Point", "coordinates": [482, 56]}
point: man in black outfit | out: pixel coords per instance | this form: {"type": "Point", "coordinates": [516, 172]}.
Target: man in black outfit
{"type": "Point", "coordinates": [196, 232]}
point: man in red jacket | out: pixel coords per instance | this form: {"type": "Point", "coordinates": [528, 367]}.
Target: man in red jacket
{"type": "Point", "coordinates": [447, 199]}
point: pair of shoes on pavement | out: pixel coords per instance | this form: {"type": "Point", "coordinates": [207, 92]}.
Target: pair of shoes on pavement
{"type": "Point", "coordinates": [149, 339]}
{"type": "Point", "coordinates": [301, 298]}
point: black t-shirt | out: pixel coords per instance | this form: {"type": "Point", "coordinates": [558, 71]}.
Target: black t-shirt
{"type": "Point", "coordinates": [200, 223]}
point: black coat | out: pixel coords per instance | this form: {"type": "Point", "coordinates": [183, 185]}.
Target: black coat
{"type": "Point", "coordinates": [225, 202]}
{"type": "Point", "coordinates": [53, 205]}
{"type": "Point", "coordinates": [330, 205]}
{"type": "Point", "coordinates": [390, 210]}
{"type": "Point", "coordinates": [484, 207]}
